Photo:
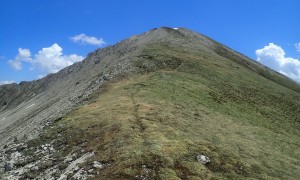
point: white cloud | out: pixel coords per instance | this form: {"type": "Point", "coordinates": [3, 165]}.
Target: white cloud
{"type": "Point", "coordinates": [15, 64]}
{"type": "Point", "coordinates": [6, 82]}
{"type": "Point", "coordinates": [51, 59]}
{"type": "Point", "coordinates": [23, 55]}
{"type": "Point", "coordinates": [297, 46]}
{"type": "Point", "coordinates": [84, 39]}
{"type": "Point", "coordinates": [273, 56]}
{"type": "Point", "coordinates": [47, 60]}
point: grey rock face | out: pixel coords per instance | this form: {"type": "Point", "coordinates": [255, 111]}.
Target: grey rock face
{"type": "Point", "coordinates": [26, 108]}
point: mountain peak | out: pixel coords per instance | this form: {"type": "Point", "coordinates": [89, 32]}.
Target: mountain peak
{"type": "Point", "coordinates": [153, 106]}
{"type": "Point", "coordinates": [171, 37]}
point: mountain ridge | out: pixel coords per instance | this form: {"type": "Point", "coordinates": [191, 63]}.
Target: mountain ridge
{"type": "Point", "coordinates": [223, 85]}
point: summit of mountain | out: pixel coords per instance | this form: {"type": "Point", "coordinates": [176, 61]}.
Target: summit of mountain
{"type": "Point", "coordinates": [147, 108]}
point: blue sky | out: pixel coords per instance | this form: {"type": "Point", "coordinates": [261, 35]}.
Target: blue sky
{"type": "Point", "coordinates": [38, 37]}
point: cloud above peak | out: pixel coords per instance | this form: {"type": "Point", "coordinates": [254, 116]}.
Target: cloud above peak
{"type": "Point", "coordinates": [47, 60]}
{"type": "Point", "coordinates": [274, 57]}
{"type": "Point", "coordinates": [84, 39]}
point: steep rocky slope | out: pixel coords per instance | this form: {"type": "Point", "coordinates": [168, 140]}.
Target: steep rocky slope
{"type": "Point", "coordinates": [146, 107]}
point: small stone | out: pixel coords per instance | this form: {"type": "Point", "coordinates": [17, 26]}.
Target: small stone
{"type": "Point", "coordinates": [16, 140]}
{"type": "Point", "coordinates": [203, 159]}
{"type": "Point", "coordinates": [97, 164]}
{"type": "Point", "coordinates": [7, 167]}
{"type": "Point", "coordinates": [25, 137]}
{"type": "Point", "coordinates": [76, 168]}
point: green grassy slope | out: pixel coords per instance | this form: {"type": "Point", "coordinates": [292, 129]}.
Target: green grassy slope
{"type": "Point", "coordinates": [154, 123]}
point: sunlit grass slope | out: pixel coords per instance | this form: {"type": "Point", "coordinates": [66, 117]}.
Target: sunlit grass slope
{"type": "Point", "coordinates": [180, 104]}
